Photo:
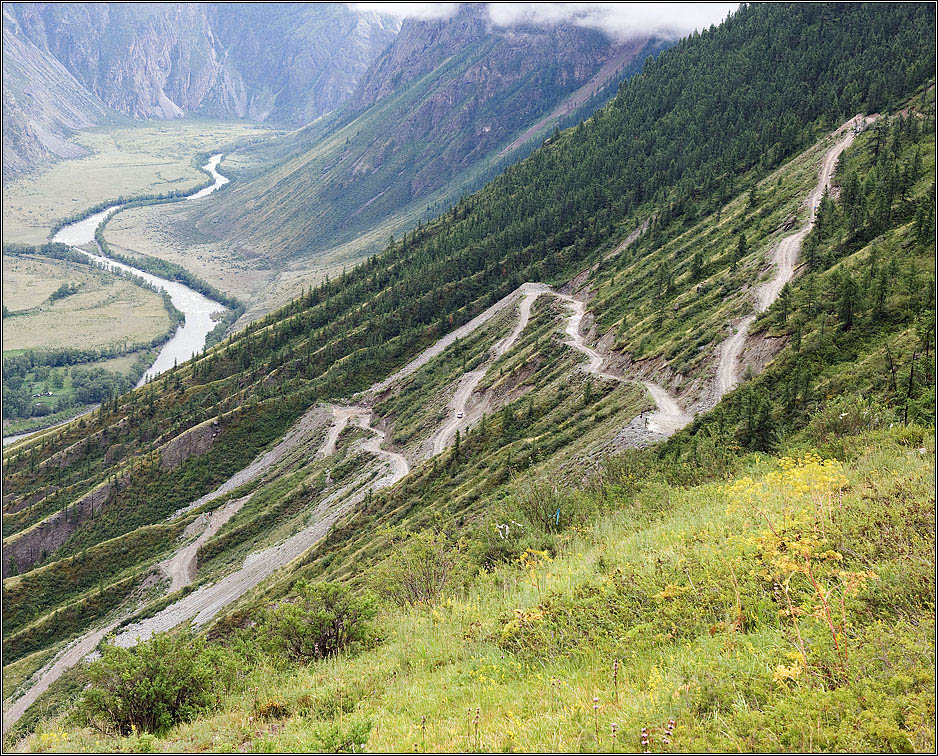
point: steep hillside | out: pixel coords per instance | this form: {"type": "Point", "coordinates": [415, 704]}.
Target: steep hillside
{"type": "Point", "coordinates": [429, 407]}
{"type": "Point", "coordinates": [42, 105]}
{"type": "Point", "coordinates": [284, 63]}
{"type": "Point", "coordinates": [438, 113]}
{"type": "Point", "coordinates": [670, 616]}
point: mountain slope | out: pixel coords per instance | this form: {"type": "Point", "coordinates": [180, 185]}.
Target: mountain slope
{"type": "Point", "coordinates": [447, 104]}
{"type": "Point", "coordinates": [157, 450]}
{"type": "Point", "coordinates": [352, 331]}
{"type": "Point", "coordinates": [42, 105]}
{"type": "Point", "coordinates": [285, 63]}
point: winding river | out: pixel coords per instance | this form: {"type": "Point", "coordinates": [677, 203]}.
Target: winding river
{"type": "Point", "coordinates": [197, 308]}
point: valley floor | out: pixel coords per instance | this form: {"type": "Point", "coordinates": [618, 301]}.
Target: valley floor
{"type": "Point", "coordinates": [123, 161]}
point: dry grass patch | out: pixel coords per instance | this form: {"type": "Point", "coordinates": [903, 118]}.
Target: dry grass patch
{"type": "Point", "coordinates": [145, 158]}
{"type": "Point", "coordinates": [105, 311]}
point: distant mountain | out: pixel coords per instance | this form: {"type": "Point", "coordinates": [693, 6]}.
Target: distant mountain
{"type": "Point", "coordinates": [42, 104]}
{"type": "Point", "coordinates": [434, 116]}
{"type": "Point", "coordinates": [287, 62]}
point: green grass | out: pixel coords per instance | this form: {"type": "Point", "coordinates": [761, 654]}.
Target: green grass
{"type": "Point", "coordinates": [18, 672]}
{"type": "Point", "coordinates": [648, 584]}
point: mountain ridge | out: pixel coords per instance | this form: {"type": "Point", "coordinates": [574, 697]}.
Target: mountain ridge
{"type": "Point", "coordinates": [290, 63]}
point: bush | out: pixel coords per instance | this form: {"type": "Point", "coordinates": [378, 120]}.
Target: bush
{"type": "Point", "coordinates": [322, 620]}
{"type": "Point", "coordinates": [417, 572]}
{"type": "Point", "coordinates": [149, 688]}
{"type": "Point", "coordinates": [504, 539]}
{"type": "Point", "coordinates": [849, 415]}
{"type": "Point", "coordinates": [546, 507]}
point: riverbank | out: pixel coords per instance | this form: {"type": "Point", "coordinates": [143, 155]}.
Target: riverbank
{"type": "Point", "coordinates": [198, 309]}
{"type": "Point", "coordinates": [200, 313]}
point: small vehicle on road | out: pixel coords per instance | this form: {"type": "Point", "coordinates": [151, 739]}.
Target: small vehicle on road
{"type": "Point", "coordinates": [459, 415]}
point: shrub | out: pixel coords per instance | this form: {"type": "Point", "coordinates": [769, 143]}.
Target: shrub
{"type": "Point", "coordinates": [338, 737]}
{"type": "Point", "coordinates": [504, 539]}
{"type": "Point", "coordinates": [321, 620]}
{"type": "Point", "coordinates": [418, 572]}
{"type": "Point", "coordinates": [150, 687]}
{"type": "Point", "coordinates": [849, 415]}
{"type": "Point", "coordinates": [547, 507]}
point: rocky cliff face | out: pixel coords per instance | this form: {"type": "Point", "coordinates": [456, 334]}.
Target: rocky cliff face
{"type": "Point", "coordinates": [438, 108]}
{"type": "Point", "coordinates": [42, 105]}
{"type": "Point", "coordinates": [297, 62]}
{"type": "Point", "coordinates": [288, 62]}
{"type": "Point", "coordinates": [487, 83]}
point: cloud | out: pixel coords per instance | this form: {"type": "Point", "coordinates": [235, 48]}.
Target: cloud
{"type": "Point", "coordinates": [423, 11]}
{"type": "Point", "coordinates": [616, 19]}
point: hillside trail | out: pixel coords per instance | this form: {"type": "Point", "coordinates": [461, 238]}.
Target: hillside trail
{"type": "Point", "coordinates": [784, 258]}
{"type": "Point", "coordinates": [341, 417]}
{"type": "Point", "coordinates": [397, 462]}
{"type": "Point", "coordinates": [202, 604]}
{"type": "Point", "coordinates": [667, 418]}
{"type": "Point", "coordinates": [74, 653]}
{"type": "Point", "coordinates": [528, 293]}
{"type": "Point", "coordinates": [181, 566]}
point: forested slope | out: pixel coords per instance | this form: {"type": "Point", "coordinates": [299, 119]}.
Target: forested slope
{"type": "Point", "coordinates": [540, 221]}
{"type": "Point", "coordinates": [674, 130]}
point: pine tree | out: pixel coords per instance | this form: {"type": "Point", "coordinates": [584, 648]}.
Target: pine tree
{"type": "Point", "coordinates": [696, 266]}
{"type": "Point", "coordinates": [742, 249]}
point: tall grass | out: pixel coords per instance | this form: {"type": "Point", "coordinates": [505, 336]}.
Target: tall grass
{"type": "Point", "coordinates": [662, 617]}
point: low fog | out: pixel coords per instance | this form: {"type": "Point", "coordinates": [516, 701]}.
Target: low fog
{"type": "Point", "coordinates": [616, 19]}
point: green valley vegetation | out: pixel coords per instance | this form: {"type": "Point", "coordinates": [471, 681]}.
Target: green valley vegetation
{"type": "Point", "coordinates": [762, 580]}
{"type": "Point", "coordinates": [46, 385]}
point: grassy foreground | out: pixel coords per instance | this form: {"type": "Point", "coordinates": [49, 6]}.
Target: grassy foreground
{"type": "Point", "coordinates": [126, 161]}
{"type": "Point", "coordinates": [788, 608]}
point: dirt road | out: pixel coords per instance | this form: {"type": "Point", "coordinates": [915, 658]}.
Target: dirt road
{"type": "Point", "coordinates": [397, 462]}
{"type": "Point", "coordinates": [340, 420]}
{"type": "Point", "coordinates": [203, 604]}
{"type": "Point", "coordinates": [528, 293]}
{"type": "Point", "coordinates": [669, 417]}
{"type": "Point", "coordinates": [666, 420]}
{"type": "Point", "coordinates": [181, 566]}
{"type": "Point", "coordinates": [460, 333]}
{"type": "Point", "coordinates": [460, 419]}
{"type": "Point", "coordinates": [73, 654]}
{"type": "Point", "coordinates": [784, 257]}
